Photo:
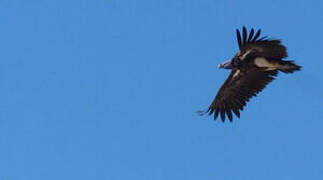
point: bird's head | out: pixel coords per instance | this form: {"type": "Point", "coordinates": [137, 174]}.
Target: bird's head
{"type": "Point", "coordinates": [225, 65]}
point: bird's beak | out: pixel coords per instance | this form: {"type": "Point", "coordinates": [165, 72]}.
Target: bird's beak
{"type": "Point", "coordinates": [225, 65]}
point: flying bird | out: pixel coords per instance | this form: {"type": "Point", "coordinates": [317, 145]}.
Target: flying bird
{"type": "Point", "coordinates": [256, 64]}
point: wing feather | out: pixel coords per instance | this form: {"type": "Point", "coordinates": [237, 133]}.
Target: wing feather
{"type": "Point", "coordinates": [250, 35]}
{"type": "Point", "coordinates": [256, 36]}
{"type": "Point", "coordinates": [216, 113]}
{"type": "Point", "coordinates": [236, 112]}
{"type": "Point", "coordinates": [222, 111]}
{"type": "Point", "coordinates": [239, 38]}
{"type": "Point", "coordinates": [244, 35]}
{"type": "Point", "coordinates": [228, 110]}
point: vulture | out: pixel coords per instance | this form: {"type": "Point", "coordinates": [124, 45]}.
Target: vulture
{"type": "Point", "coordinates": [256, 64]}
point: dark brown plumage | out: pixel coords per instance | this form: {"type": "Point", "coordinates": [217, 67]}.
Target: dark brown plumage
{"type": "Point", "coordinates": [252, 68]}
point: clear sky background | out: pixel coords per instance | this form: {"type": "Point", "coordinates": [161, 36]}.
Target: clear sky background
{"type": "Point", "coordinates": [108, 90]}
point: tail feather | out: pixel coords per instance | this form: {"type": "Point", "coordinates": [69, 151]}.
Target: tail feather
{"type": "Point", "coordinates": [288, 66]}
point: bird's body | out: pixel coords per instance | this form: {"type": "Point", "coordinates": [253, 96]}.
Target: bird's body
{"type": "Point", "coordinates": [252, 68]}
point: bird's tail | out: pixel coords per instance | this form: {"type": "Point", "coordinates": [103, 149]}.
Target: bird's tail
{"type": "Point", "coordinates": [288, 66]}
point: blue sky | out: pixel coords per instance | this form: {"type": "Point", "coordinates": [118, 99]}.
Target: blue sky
{"type": "Point", "coordinates": [108, 89]}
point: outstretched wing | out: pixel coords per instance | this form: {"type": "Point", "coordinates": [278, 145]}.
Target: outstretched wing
{"type": "Point", "coordinates": [264, 47]}
{"type": "Point", "coordinates": [237, 90]}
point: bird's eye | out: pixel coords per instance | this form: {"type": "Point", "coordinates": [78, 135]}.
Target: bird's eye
{"type": "Point", "coordinates": [235, 61]}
